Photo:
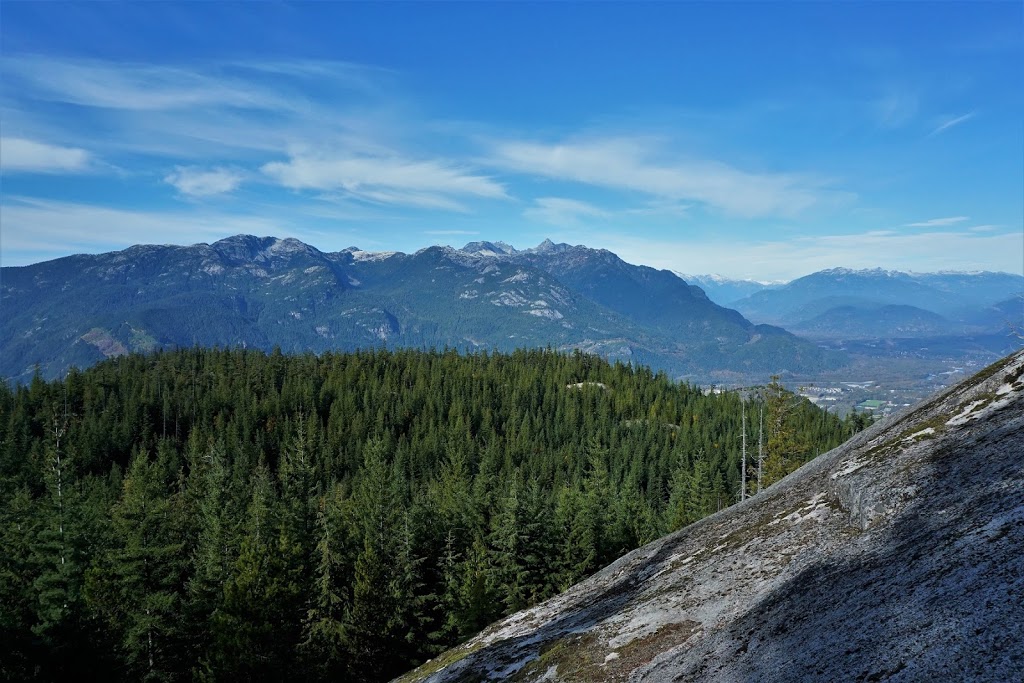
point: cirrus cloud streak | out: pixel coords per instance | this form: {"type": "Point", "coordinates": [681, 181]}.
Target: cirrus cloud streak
{"type": "Point", "coordinates": [563, 211]}
{"type": "Point", "coordinates": [638, 165]}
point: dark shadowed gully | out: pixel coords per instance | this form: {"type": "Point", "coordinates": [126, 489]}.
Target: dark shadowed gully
{"type": "Point", "coordinates": [895, 557]}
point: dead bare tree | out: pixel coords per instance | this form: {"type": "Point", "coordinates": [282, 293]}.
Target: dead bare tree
{"type": "Point", "coordinates": [743, 456]}
{"type": "Point", "coordinates": [760, 450]}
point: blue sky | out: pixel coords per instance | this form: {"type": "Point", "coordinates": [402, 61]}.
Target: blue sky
{"type": "Point", "coordinates": [762, 140]}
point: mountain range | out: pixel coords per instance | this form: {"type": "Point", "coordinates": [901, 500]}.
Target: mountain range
{"type": "Point", "coordinates": [894, 557]}
{"type": "Point", "coordinates": [862, 304]}
{"type": "Point", "coordinates": [267, 292]}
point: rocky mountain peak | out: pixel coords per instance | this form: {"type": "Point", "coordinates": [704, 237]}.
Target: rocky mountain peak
{"type": "Point", "coordinates": [549, 247]}
{"type": "Point", "coordinates": [249, 248]}
{"type": "Point", "coordinates": [489, 249]}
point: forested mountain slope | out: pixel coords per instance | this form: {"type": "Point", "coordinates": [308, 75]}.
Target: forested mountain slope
{"type": "Point", "coordinates": [895, 557]}
{"type": "Point", "coordinates": [265, 292]}
{"type": "Point", "coordinates": [234, 515]}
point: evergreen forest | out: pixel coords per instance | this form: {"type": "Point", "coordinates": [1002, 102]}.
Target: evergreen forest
{"type": "Point", "coordinates": [212, 514]}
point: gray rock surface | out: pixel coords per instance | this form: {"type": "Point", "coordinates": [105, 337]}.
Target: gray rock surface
{"type": "Point", "coordinates": [898, 556]}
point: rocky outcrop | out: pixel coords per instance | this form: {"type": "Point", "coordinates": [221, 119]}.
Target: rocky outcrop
{"type": "Point", "coordinates": [898, 556]}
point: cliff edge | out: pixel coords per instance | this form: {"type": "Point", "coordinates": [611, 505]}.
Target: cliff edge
{"type": "Point", "coordinates": [898, 556]}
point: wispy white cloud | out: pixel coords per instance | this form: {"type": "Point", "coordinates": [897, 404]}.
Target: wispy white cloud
{"type": "Point", "coordinates": [563, 212]}
{"type": "Point", "coordinates": [19, 155]}
{"type": "Point", "coordinates": [638, 165]}
{"type": "Point", "coordinates": [197, 182]}
{"type": "Point", "coordinates": [984, 228]}
{"type": "Point", "coordinates": [199, 111]}
{"type": "Point", "coordinates": [950, 122]}
{"type": "Point", "coordinates": [341, 74]}
{"type": "Point", "coordinates": [938, 222]}
{"type": "Point", "coordinates": [219, 124]}
{"type": "Point", "coordinates": [387, 180]}
{"type": "Point", "coordinates": [667, 208]}
{"type": "Point", "coordinates": [152, 87]}
{"type": "Point", "coordinates": [417, 200]}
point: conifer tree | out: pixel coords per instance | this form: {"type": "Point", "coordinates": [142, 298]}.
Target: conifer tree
{"type": "Point", "coordinates": [255, 627]}
{"type": "Point", "coordinates": [17, 593]}
{"type": "Point", "coordinates": [54, 556]}
{"type": "Point", "coordinates": [477, 599]}
{"type": "Point", "coordinates": [785, 447]}
{"type": "Point", "coordinates": [681, 510]}
{"type": "Point", "coordinates": [578, 554]}
{"type": "Point", "coordinates": [137, 585]}
{"type": "Point", "coordinates": [323, 644]}
{"type": "Point", "coordinates": [507, 548]}
{"type": "Point", "coordinates": [372, 625]}
{"type": "Point", "coordinates": [216, 547]}
{"type": "Point", "coordinates": [449, 626]}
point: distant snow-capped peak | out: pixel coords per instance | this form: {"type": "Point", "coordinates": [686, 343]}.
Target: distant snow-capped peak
{"type": "Point", "coordinates": [483, 248]}
{"type": "Point", "coordinates": [724, 280]}
{"type": "Point", "coordinates": [360, 255]}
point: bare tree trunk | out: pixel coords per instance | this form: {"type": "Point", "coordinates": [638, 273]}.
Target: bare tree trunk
{"type": "Point", "coordinates": [760, 451]}
{"type": "Point", "coordinates": [743, 460]}
{"type": "Point", "coordinates": [60, 427]}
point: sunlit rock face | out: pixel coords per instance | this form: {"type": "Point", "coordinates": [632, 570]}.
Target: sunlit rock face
{"type": "Point", "coordinates": [898, 556]}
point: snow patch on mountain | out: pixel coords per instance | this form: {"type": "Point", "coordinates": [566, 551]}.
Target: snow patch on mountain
{"type": "Point", "coordinates": [718, 279]}
{"type": "Point", "coordinates": [489, 249]}
{"type": "Point", "coordinates": [360, 255]}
